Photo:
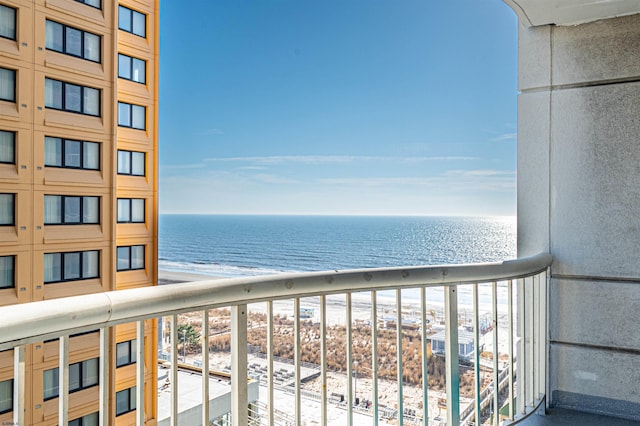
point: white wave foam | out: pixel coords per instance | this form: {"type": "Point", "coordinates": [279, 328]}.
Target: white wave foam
{"type": "Point", "coordinates": [215, 270]}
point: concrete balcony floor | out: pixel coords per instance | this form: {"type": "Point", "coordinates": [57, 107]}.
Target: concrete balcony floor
{"type": "Point", "coordinates": [564, 417]}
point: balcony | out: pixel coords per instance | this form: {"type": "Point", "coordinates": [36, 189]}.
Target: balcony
{"type": "Point", "coordinates": [501, 306]}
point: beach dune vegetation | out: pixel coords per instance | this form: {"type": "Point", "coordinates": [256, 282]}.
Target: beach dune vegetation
{"type": "Point", "coordinates": [220, 341]}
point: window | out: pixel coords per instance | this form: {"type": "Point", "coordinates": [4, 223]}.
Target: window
{"type": "Point", "coordinates": [71, 266]}
{"type": "Point", "coordinates": [71, 210]}
{"type": "Point", "coordinates": [134, 116]}
{"type": "Point", "coordinates": [6, 396]}
{"type": "Point", "coordinates": [72, 154]}
{"type": "Point", "coordinates": [7, 210]}
{"type": "Point", "coordinates": [125, 401]}
{"type": "Point", "coordinates": [82, 375]}
{"type": "Point", "coordinates": [126, 353]}
{"type": "Point", "coordinates": [132, 22]}
{"type": "Point", "coordinates": [71, 336]}
{"type": "Point", "coordinates": [7, 85]}
{"type": "Point", "coordinates": [50, 384]}
{"type": "Point", "coordinates": [88, 420]}
{"type": "Point", "coordinates": [130, 210]}
{"type": "Point", "coordinates": [7, 147]}
{"type": "Point", "coordinates": [131, 68]}
{"type": "Point", "coordinates": [7, 268]}
{"type": "Point", "coordinates": [130, 258]}
{"type": "Point", "coordinates": [131, 163]}
{"type": "Point", "coordinates": [7, 22]}
{"type": "Point", "coordinates": [71, 97]}
{"type": "Point", "coordinates": [92, 3]}
{"type": "Point", "coordinates": [72, 41]}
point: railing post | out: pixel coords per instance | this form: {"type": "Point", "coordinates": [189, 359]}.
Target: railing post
{"type": "Point", "coordinates": [63, 381]}
{"type": "Point", "coordinates": [536, 335]}
{"type": "Point", "coordinates": [496, 353]}
{"type": "Point", "coordinates": [531, 337]}
{"type": "Point", "coordinates": [451, 355]}
{"type": "Point", "coordinates": [476, 353]}
{"type": "Point", "coordinates": [270, 389]}
{"type": "Point", "coordinates": [349, 343]}
{"type": "Point", "coordinates": [140, 373]}
{"type": "Point", "coordinates": [521, 349]}
{"type": "Point", "coordinates": [323, 359]}
{"type": "Point", "coordinates": [512, 409]}
{"type": "Point", "coordinates": [19, 385]}
{"type": "Point", "coordinates": [399, 357]}
{"type": "Point", "coordinates": [425, 359]}
{"type": "Point", "coordinates": [174, 370]}
{"type": "Point", "coordinates": [205, 367]}
{"type": "Point", "coordinates": [542, 328]}
{"type": "Point", "coordinates": [547, 390]}
{"type": "Point", "coordinates": [239, 373]}
{"type": "Point", "coordinates": [105, 387]}
{"type": "Point", "coordinates": [374, 355]}
{"type": "Point", "coordinates": [297, 359]}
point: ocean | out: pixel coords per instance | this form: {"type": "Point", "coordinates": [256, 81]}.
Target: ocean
{"type": "Point", "coordinates": [238, 245]}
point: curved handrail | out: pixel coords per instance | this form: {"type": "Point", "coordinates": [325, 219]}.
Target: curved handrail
{"type": "Point", "coordinates": [37, 321]}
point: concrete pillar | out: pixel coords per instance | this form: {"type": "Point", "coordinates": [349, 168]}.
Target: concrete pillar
{"type": "Point", "coordinates": [579, 198]}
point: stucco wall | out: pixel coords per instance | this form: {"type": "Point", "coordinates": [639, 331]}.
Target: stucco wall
{"type": "Point", "coordinates": [579, 198]}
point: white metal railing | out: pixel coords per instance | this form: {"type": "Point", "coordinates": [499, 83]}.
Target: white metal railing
{"type": "Point", "coordinates": [523, 367]}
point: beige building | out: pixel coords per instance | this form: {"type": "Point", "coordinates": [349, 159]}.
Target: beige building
{"type": "Point", "coordinates": [78, 186]}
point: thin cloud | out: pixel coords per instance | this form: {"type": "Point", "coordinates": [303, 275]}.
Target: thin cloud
{"type": "Point", "coordinates": [251, 168]}
{"type": "Point", "coordinates": [480, 173]}
{"type": "Point", "coordinates": [442, 158]}
{"type": "Point", "coordinates": [379, 181]}
{"type": "Point", "coordinates": [291, 159]}
{"type": "Point", "coordinates": [331, 159]}
{"type": "Point", "coordinates": [191, 166]}
{"type": "Point", "coordinates": [505, 137]}
{"type": "Point", "coordinates": [273, 179]}
{"type": "Point", "coordinates": [452, 180]}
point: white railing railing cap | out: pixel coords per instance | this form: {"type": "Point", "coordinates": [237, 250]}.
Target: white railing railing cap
{"type": "Point", "coordinates": [36, 321]}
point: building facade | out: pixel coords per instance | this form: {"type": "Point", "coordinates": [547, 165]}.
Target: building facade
{"type": "Point", "coordinates": [78, 186]}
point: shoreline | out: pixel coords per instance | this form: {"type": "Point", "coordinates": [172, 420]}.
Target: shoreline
{"type": "Point", "coordinates": [175, 277]}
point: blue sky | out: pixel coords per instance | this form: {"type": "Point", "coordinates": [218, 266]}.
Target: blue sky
{"type": "Point", "coordinates": [376, 107]}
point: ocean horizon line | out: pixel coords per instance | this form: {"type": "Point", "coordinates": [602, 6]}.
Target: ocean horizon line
{"type": "Point", "coordinates": [338, 215]}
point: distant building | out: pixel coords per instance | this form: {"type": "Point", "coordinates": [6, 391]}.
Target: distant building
{"type": "Point", "coordinates": [407, 323]}
{"type": "Point", "coordinates": [190, 398]}
{"type": "Point", "coordinates": [465, 343]}
{"type": "Point", "coordinates": [306, 312]}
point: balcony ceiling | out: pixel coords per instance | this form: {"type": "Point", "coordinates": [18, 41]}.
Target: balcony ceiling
{"type": "Point", "coordinates": [570, 12]}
